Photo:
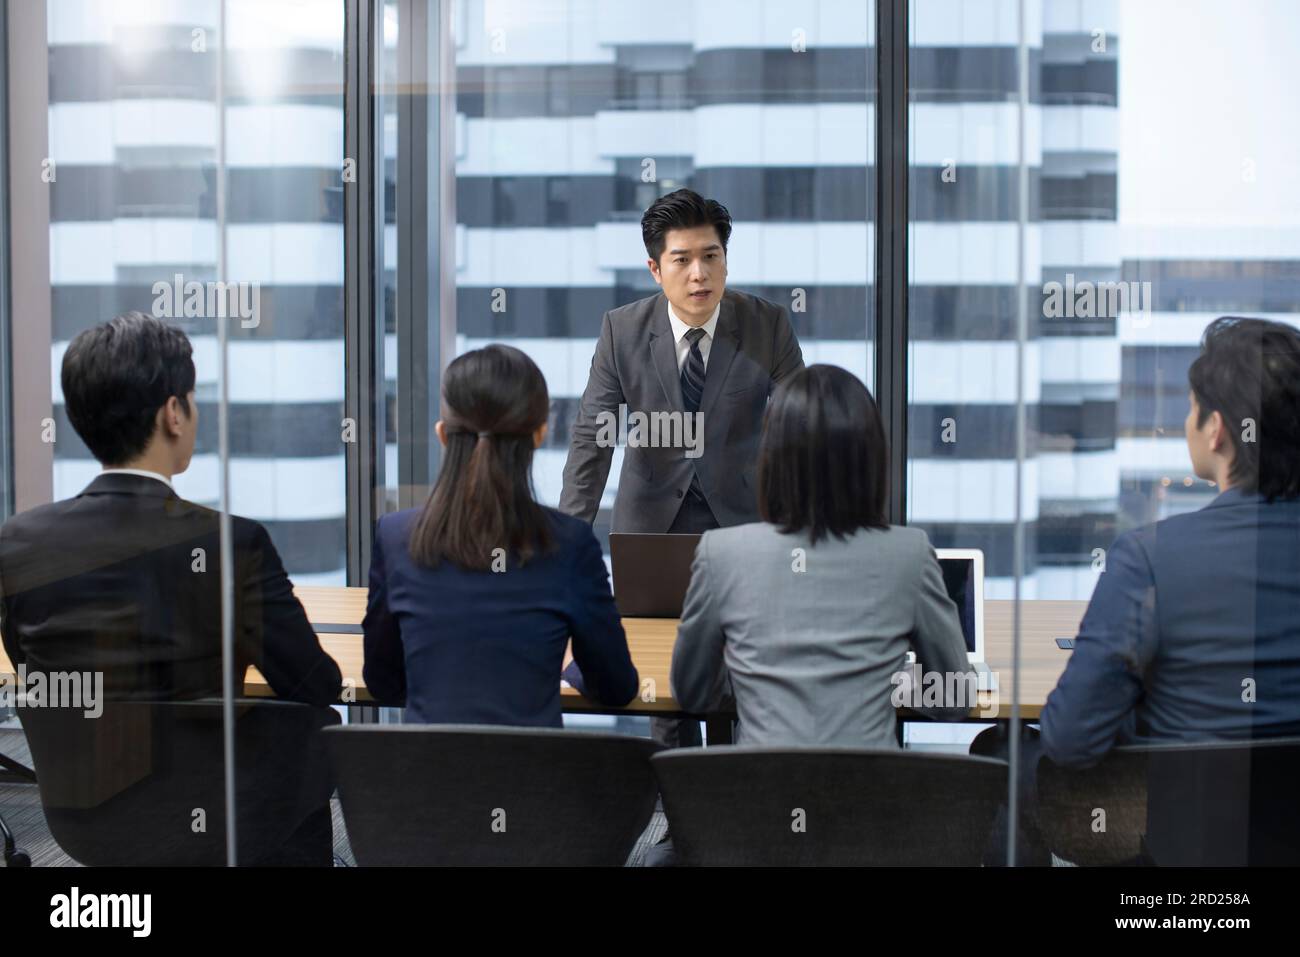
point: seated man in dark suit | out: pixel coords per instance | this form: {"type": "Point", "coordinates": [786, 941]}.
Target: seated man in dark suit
{"type": "Point", "coordinates": [1193, 630]}
{"type": "Point", "coordinates": [125, 578]}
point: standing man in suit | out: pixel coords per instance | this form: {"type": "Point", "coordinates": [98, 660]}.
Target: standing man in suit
{"type": "Point", "coordinates": [124, 579]}
{"type": "Point", "coordinates": [696, 348]}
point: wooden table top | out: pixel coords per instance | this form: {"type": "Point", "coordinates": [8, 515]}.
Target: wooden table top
{"type": "Point", "coordinates": [651, 643]}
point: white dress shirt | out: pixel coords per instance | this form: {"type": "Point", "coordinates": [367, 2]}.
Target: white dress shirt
{"type": "Point", "coordinates": [679, 334]}
{"type": "Point", "coordinates": [153, 475]}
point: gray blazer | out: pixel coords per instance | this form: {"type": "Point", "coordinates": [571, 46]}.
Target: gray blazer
{"type": "Point", "coordinates": [635, 365]}
{"type": "Point", "coordinates": [810, 654]}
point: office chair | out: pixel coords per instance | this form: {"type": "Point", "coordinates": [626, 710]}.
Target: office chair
{"type": "Point", "coordinates": [1221, 804]}
{"type": "Point", "coordinates": [14, 856]}
{"type": "Point", "coordinates": [144, 783]}
{"type": "Point", "coordinates": [472, 795]}
{"type": "Point", "coordinates": [828, 806]}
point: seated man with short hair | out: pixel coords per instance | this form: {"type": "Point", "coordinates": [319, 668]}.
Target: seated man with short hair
{"type": "Point", "coordinates": [125, 578]}
{"type": "Point", "coordinates": [1193, 630]}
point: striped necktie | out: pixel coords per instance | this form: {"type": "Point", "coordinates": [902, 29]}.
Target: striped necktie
{"type": "Point", "coordinates": [693, 372]}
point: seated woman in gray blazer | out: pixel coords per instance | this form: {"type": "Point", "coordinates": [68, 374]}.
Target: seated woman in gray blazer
{"type": "Point", "coordinates": [807, 616]}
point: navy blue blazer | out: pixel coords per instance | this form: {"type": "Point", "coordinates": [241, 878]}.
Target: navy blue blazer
{"type": "Point", "coordinates": [1193, 632]}
{"type": "Point", "coordinates": [480, 647]}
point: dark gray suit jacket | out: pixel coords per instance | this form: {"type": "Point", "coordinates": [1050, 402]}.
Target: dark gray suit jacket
{"type": "Point", "coordinates": [635, 365]}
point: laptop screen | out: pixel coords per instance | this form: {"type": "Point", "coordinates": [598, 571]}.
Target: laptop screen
{"type": "Point", "coordinates": [959, 579]}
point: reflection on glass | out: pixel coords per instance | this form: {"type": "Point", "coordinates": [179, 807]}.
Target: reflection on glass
{"type": "Point", "coordinates": [1155, 204]}
{"type": "Point", "coordinates": [386, 291]}
{"type": "Point", "coordinates": [570, 126]}
{"type": "Point", "coordinates": [134, 136]}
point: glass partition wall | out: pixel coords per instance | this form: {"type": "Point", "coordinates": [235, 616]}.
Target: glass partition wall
{"type": "Point", "coordinates": [1014, 221]}
{"type": "Point", "coordinates": [185, 162]}
{"type": "Point", "coordinates": [165, 184]}
{"type": "Point", "coordinates": [1085, 199]}
{"type": "Point", "coordinates": [567, 118]}
{"type": "Point", "coordinates": [559, 123]}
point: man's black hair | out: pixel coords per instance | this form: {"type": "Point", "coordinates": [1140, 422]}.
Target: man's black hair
{"type": "Point", "coordinates": [682, 209]}
{"type": "Point", "coordinates": [117, 375]}
{"type": "Point", "coordinates": [1249, 372]}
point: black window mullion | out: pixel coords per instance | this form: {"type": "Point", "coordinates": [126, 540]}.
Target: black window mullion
{"type": "Point", "coordinates": [362, 339]}
{"type": "Point", "coordinates": [891, 241]}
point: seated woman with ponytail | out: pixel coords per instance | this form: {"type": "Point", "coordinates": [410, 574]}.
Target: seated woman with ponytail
{"type": "Point", "coordinates": [474, 597]}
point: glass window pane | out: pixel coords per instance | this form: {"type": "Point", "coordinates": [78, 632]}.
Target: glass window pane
{"type": "Point", "coordinates": [569, 121]}
{"type": "Point", "coordinates": [550, 193]}
{"type": "Point", "coordinates": [194, 171]}
{"type": "Point", "coordinates": [1089, 208]}
{"type": "Point", "coordinates": [134, 224]}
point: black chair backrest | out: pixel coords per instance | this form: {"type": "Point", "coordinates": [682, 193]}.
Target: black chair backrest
{"type": "Point", "coordinates": [1221, 804]}
{"type": "Point", "coordinates": [144, 783]}
{"type": "Point", "coordinates": [1095, 817]}
{"type": "Point", "coordinates": [457, 794]}
{"type": "Point", "coordinates": [828, 806]}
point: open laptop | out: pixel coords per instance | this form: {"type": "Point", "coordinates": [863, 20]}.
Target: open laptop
{"type": "Point", "coordinates": [652, 573]}
{"type": "Point", "coordinates": [963, 577]}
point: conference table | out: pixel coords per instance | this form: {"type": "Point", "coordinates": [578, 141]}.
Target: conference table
{"type": "Point", "coordinates": [651, 642]}
{"type": "Point", "coordinates": [336, 614]}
